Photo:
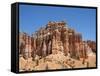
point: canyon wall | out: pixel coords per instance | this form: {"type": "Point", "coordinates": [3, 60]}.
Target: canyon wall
{"type": "Point", "coordinates": [54, 37]}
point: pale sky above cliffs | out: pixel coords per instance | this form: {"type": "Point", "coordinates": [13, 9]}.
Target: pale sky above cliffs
{"type": "Point", "coordinates": [83, 20]}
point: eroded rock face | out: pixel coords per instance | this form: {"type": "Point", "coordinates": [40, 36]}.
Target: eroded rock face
{"type": "Point", "coordinates": [92, 45]}
{"type": "Point", "coordinates": [51, 39]}
{"type": "Point", "coordinates": [65, 39]}
{"type": "Point", "coordinates": [55, 46]}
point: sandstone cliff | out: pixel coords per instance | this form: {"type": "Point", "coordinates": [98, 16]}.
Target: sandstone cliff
{"type": "Point", "coordinates": [57, 47]}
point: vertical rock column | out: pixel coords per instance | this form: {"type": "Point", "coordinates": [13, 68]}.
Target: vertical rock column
{"type": "Point", "coordinates": [64, 38]}
{"type": "Point", "coordinates": [71, 43]}
{"type": "Point", "coordinates": [49, 47]}
{"type": "Point", "coordinates": [54, 46]}
{"type": "Point", "coordinates": [44, 49]}
{"type": "Point", "coordinates": [29, 47]}
{"type": "Point", "coordinates": [26, 48]}
{"type": "Point", "coordinates": [85, 50]}
{"type": "Point", "coordinates": [82, 49]}
{"type": "Point", "coordinates": [78, 39]}
{"type": "Point", "coordinates": [33, 47]}
{"type": "Point", "coordinates": [38, 44]}
{"type": "Point", "coordinates": [22, 39]}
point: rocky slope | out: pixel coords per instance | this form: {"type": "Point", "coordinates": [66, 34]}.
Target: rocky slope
{"type": "Point", "coordinates": [55, 46]}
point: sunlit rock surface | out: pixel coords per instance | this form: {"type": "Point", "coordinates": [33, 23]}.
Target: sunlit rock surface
{"type": "Point", "coordinates": [55, 46]}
